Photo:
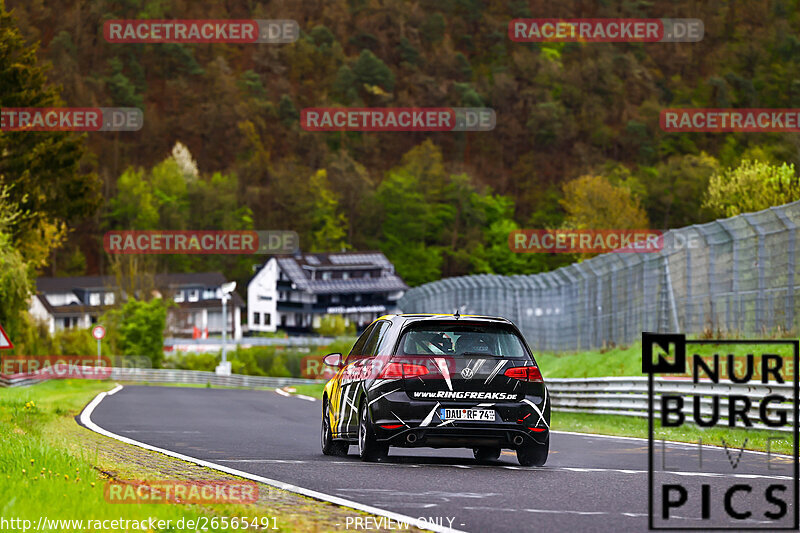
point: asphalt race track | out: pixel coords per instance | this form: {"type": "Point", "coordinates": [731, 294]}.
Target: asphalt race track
{"type": "Point", "coordinates": [589, 483]}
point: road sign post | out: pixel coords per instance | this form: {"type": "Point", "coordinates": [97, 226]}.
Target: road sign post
{"type": "Point", "coordinates": [98, 332]}
{"type": "Point", "coordinates": [224, 368]}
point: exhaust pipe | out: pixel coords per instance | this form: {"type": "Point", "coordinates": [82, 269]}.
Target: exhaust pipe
{"type": "Point", "coordinates": [411, 438]}
{"type": "Point", "coordinates": [518, 440]}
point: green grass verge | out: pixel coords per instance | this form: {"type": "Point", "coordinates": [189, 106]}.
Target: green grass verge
{"type": "Point", "coordinates": [50, 466]}
{"type": "Point", "coordinates": [313, 390]}
{"type": "Point", "coordinates": [39, 472]}
{"type": "Point", "coordinates": [630, 426]}
{"type": "Point", "coordinates": [627, 361]}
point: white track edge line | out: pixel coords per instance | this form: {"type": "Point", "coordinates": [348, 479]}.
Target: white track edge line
{"type": "Point", "coordinates": [304, 397]}
{"type": "Point", "coordinates": [86, 420]}
{"type": "Point", "coordinates": [657, 442]}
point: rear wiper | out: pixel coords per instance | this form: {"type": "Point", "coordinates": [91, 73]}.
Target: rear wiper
{"type": "Point", "coordinates": [479, 354]}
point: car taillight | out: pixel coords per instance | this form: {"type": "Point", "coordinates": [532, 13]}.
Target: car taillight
{"type": "Point", "coordinates": [391, 426]}
{"type": "Point", "coordinates": [402, 370]}
{"type": "Point", "coordinates": [538, 430]}
{"type": "Point", "coordinates": [525, 373]}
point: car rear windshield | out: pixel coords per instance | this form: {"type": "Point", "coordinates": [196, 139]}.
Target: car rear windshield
{"type": "Point", "coordinates": [462, 340]}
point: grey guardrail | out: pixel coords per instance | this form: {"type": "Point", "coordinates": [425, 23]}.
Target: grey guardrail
{"type": "Point", "coordinates": [253, 341]}
{"type": "Point", "coordinates": [12, 381]}
{"type": "Point", "coordinates": [162, 375]}
{"type": "Point", "coordinates": [628, 396]}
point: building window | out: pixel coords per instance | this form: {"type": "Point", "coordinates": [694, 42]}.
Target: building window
{"type": "Point", "coordinates": [194, 295]}
{"type": "Point", "coordinates": [334, 298]}
{"type": "Point", "coordinates": [326, 275]}
{"type": "Point", "coordinates": [94, 298]}
{"type": "Point", "coordinates": [267, 319]}
{"type": "Point", "coordinates": [256, 318]}
{"type": "Point", "coordinates": [108, 298]}
{"type": "Point", "coordinates": [209, 294]}
{"type": "Point", "coordinates": [357, 298]}
{"type": "Point", "coordinates": [345, 275]}
{"type": "Point", "coordinates": [179, 297]}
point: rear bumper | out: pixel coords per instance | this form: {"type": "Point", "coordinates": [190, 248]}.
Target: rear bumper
{"type": "Point", "coordinates": [462, 437]}
{"type": "Point", "coordinates": [415, 423]}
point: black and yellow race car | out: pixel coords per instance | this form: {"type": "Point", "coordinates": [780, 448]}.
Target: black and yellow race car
{"type": "Point", "coordinates": [440, 381]}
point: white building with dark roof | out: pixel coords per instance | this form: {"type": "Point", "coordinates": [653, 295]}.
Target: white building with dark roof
{"type": "Point", "coordinates": [78, 302]}
{"type": "Point", "coordinates": [293, 292]}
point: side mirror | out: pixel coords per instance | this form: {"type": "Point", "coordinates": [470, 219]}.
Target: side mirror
{"type": "Point", "coordinates": [333, 359]}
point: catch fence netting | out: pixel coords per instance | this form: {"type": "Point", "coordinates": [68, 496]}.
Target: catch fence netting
{"type": "Point", "coordinates": [733, 276]}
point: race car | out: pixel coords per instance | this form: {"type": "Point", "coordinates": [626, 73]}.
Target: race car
{"type": "Point", "coordinates": [440, 381]}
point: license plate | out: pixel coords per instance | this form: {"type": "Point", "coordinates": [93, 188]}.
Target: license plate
{"type": "Point", "coordinates": [467, 414]}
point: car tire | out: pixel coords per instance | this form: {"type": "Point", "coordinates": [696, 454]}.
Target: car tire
{"type": "Point", "coordinates": [369, 449]}
{"type": "Point", "coordinates": [329, 446]}
{"type": "Point", "coordinates": [533, 454]}
{"type": "Point", "coordinates": [485, 454]}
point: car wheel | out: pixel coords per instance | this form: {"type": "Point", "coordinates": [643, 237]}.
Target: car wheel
{"type": "Point", "coordinates": [369, 449]}
{"type": "Point", "coordinates": [533, 454]}
{"type": "Point", "coordinates": [330, 446]}
{"type": "Point", "coordinates": [485, 454]}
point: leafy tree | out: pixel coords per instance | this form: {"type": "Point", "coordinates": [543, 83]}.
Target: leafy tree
{"type": "Point", "coordinates": [322, 36]}
{"type": "Point", "coordinates": [134, 206]}
{"type": "Point", "coordinates": [408, 220]}
{"type": "Point", "coordinates": [370, 70]}
{"type": "Point", "coordinates": [675, 190]}
{"type": "Point", "coordinates": [463, 66]}
{"type": "Point", "coordinates": [137, 328]}
{"type": "Point", "coordinates": [42, 171]}
{"type": "Point", "coordinates": [250, 82]}
{"type": "Point", "coordinates": [433, 28]}
{"type": "Point", "coordinates": [752, 186]}
{"type": "Point", "coordinates": [287, 111]}
{"type": "Point", "coordinates": [407, 52]}
{"type": "Point", "coordinates": [345, 85]}
{"type": "Point", "coordinates": [123, 91]}
{"type": "Point", "coordinates": [15, 283]}
{"type": "Point", "coordinates": [468, 95]}
{"type": "Point", "coordinates": [593, 202]}
{"type": "Point", "coordinates": [425, 161]}
{"type": "Point", "coordinates": [329, 226]}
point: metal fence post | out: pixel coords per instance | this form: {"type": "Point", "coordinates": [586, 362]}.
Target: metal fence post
{"type": "Point", "coordinates": [790, 245]}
